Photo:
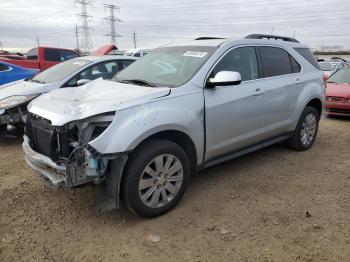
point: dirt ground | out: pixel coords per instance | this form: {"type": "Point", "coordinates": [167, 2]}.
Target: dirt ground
{"type": "Point", "coordinates": [272, 205]}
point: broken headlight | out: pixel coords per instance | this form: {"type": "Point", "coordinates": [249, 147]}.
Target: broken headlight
{"type": "Point", "coordinates": [12, 101]}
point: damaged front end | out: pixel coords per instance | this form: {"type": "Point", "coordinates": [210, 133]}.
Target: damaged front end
{"type": "Point", "coordinates": [62, 154]}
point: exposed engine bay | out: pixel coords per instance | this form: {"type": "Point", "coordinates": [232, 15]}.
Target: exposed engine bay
{"type": "Point", "coordinates": [68, 146]}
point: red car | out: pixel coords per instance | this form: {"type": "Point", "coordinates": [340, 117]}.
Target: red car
{"type": "Point", "coordinates": [338, 93]}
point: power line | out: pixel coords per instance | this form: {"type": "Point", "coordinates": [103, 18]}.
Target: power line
{"type": "Point", "coordinates": [113, 21]}
{"type": "Point", "coordinates": [210, 5]}
{"type": "Point", "coordinates": [85, 30]}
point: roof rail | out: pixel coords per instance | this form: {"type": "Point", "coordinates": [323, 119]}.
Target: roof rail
{"type": "Point", "coordinates": [276, 37]}
{"type": "Point", "coordinates": [208, 38]}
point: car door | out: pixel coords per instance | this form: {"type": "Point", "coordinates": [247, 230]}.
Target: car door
{"type": "Point", "coordinates": [282, 83]}
{"type": "Point", "coordinates": [235, 115]}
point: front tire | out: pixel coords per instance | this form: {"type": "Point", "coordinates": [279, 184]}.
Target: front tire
{"type": "Point", "coordinates": [156, 177]}
{"type": "Point", "coordinates": [306, 131]}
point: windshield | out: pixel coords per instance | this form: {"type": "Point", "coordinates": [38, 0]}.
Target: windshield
{"type": "Point", "coordinates": [60, 71]}
{"type": "Point", "coordinates": [342, 76]}
{"type": "Point", "coordinates": [328, 66]}
{"type": "Point", "coordinates": [167, 66]}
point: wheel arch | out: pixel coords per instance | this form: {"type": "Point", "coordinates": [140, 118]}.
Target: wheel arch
{"type": "Point", "coordinates": [317, 104]}
{"type": "Point", "coordinates": [178, 137]}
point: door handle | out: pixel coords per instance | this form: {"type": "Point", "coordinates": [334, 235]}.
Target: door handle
{"type": "Point", "coordinates": [298, 82]}
{"type": "Point", "coordinates": [258, 92]}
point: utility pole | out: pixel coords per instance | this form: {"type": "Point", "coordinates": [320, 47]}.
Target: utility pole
{"type": "Point", "coordinates": [37, 41]}
{"type": "Point", "coordinates": [134, 39]}
{"type": "Point", "coordinates": [85, 30]}
{"type": "Point", "coordinates": [77, 37]}
{"type": "Point", "coordinates": [113, 21]}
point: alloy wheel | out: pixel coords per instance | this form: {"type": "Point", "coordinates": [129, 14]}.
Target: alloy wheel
{"type": "Point", "coordinates": [161, 180]}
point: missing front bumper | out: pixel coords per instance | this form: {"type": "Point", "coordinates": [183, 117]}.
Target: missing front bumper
{"type": "Point", "coordinates": [55, 174]}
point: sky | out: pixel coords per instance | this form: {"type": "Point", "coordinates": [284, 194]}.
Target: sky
{"type": "Point", "coordinates": [314, 22]}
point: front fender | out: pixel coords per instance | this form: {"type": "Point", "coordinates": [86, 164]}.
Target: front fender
{"type": "Point", "coordinates": [131, 126]}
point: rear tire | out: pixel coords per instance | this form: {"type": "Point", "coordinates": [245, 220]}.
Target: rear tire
{"type": "Point", "coordinates": [306, 131]}
{"type": "Point", "coordinates": [157, 175]}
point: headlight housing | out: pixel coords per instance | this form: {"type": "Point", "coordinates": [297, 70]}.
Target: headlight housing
{"type": "Point", "coordinates": [13, 101]}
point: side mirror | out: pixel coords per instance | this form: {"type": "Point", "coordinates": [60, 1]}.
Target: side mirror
{"type": "Point", "coordinates": [225, 78]}
{"type": "Point", "coordinates": [81, 82]}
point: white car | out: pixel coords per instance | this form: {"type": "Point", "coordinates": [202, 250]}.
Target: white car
{"type": "Point", "coordinates": [14, 97]}
{"type": "Point", "coordinates": [138, 52]}
{"type": "Point", "coordinates": [329, 68]}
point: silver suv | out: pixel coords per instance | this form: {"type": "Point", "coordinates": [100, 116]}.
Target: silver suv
{"type": "Point", "coordinates": [176, 111]}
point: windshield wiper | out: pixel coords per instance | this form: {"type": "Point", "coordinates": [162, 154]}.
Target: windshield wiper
{"type": "Point", "coordinates": [36, 81]}
{"type": "Point", "coordinates": [137, 82]}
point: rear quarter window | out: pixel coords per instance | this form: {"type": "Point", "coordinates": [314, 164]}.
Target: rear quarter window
{"type": "Point", "coordinates": [306, 53]}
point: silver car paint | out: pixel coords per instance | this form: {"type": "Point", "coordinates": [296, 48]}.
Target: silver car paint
{"type": "Point", "coordinates": [143, 111]}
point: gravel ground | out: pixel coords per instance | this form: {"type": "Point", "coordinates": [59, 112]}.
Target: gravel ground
{"type": "Point", "coordinates": [272, 205]}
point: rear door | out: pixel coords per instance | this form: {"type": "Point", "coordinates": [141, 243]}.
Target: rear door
{"type": "Point", "coordinates": [282, 83]}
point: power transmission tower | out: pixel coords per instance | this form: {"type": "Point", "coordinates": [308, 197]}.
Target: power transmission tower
{"type": "Point", "coordinates": [113, 21]}
{"type": "Point", "coordinates": [77, 37]}
{"type": "Point", "coordinates": [85, 30]}
{"type": "Point", "coordinates": [134, 39]}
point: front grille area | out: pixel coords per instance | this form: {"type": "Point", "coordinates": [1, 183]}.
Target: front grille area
{"type": "Point", "coordinates": [42, 136]}
{"type": "Point", "coordinates": [338, 110]}
{"type": "Point", "coordinates": [58, 142]}
{"type": "Point", "coordinates": [335, 98]}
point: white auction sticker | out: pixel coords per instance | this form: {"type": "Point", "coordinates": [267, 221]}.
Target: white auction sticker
{"type": "Point", "coordinates": [195, 54]}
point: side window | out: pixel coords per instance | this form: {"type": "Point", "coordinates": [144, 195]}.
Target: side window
{"type": "Point", "coordinates": [67, 55]}
{"type": "Point", "coordinates": [32, 54]}
{"type": "Point", "coordinates": [275, 61]}
{"type": "Point", "coordinates": [106, 70]}
{"type": "Point", "coordinates": [296, 68]}
{"type": "Point", "coordinates": [242, 60]}
{"type": "Point", "coordinates": [137, 54]}
{"type": "Point", "coordinates": [112, 69]}
{"type": "Point", "coordinates": [126, 63]}
{"type": "Point", "coordinates": [3, 67]}
{"type": "Point", "coordinates": [52, 55]}
{"type": "Point", "coordinates": [306, 53]}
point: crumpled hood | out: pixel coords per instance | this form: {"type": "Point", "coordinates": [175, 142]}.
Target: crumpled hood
{"type": "Point", "coordinates": [22, 87]}
{"type": "Point", "coordinates": [100, 96]}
